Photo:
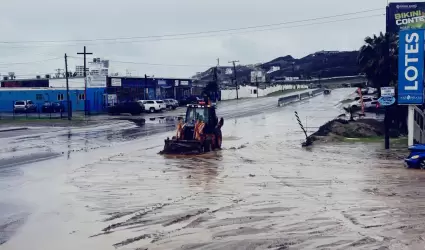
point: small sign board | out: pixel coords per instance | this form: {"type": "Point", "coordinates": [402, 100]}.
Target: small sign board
{"type": "Point", "coordinates": [116, 82]}
{"type": "Point", "coordinates": [387, 91]}
{"type": "Point", "coordinates": [162, 82]}
{"type": "Point", "coordinates": [386, 100]}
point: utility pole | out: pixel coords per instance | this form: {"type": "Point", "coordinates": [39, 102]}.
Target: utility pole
{"type": "Point", "coordinates": [256, 82]}
{"type": "Point", "coordinates": [218, 61]}
{"type": "Point", "coordinates": [234, 76]}
{"type": "Point", "coordinates": [215, 80]}
{"type": "Point", "coordinates": [386, 59]}
{"type": "Point", "coordinates": [68, 103]}
{"type": "Point", "coordinates": [85, 53]}
{"type": "Point", "coordinates": [144, 89]}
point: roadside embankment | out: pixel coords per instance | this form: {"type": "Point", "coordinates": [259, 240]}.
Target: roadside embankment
{"type": "Point", "coordinates": [342, 130]}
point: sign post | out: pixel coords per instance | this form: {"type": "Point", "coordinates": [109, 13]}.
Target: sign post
{"type": "Point", "coordinates": [410, 73]}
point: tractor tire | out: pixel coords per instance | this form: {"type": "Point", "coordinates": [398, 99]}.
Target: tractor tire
{"type": "Point", "coordinates": [218, 139]}
{"type": "Point", "coordinates": [207, 146]}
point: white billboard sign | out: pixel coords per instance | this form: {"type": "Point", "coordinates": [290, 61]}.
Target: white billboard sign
{"type": "Point", "coordinates": [387, 91]}
{"type": "Point", "coordinates": [229, 71]}
{"type": "Point", "coordinates": [96, 81]}
{"type": "Point", "coordinates": [257, 76]}
{"type": "Point", "coordinates": [116, 82]}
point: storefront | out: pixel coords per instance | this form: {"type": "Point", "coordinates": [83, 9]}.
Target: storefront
{"type": "Point", "coordinates": [165, 89]}
{"type": "Point", "coordinates": [131, 89]}
{"type": "Point", "coordinates": [182, 89]}
{"type": "Point", "coordinates": [122, 89]}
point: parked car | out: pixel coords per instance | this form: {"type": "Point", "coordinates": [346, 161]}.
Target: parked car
{"type": "Point", "coordinates": [133, 108]}
{"type": "Point", "coordinates": [171, 103]}
{"type": "Point", "coordinates": [25, 106]}
{"type": "Point", "coordinates": [369, 91]}
{"type": "Point", "coordinates": [369, 102]}
{"type": "Point", "coordinates": [190, 100]}
{"type": "Point", "coordinates": [153, 105]}
{"type": "Point", "coordinates": [52, 107]}
{"type": "Point", "coordinates": [416, 158]}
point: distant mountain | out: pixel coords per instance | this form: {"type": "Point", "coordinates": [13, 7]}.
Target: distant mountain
{"type": "Point", "coordinates": [322, 63]}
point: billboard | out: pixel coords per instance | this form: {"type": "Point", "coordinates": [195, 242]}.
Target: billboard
{"type": "Point", "coordinates": [257, 76]}
{"type": "Point", "coordinates": [402, 16]}
{"type": "Point", "coordinates": [116, 82]}
{"type": "Point", "coordinates": [96, 81]}
{"type": "Point", "coordinates": [411, 66]}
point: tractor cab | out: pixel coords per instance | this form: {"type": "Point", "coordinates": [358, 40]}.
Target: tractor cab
{"type": "Point", "coordinates": [196, 113]}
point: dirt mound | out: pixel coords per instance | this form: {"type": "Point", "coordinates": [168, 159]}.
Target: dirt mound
{"type": "Point", "coordinates": [362, 128]}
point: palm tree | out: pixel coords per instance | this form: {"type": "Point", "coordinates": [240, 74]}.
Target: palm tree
{"type": "Point", "coordinates": [378, 66]}
{"type": "Point", "coordinates": [378, 60]}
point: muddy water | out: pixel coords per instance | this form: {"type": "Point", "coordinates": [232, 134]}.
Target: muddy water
{"type": "Point", "coordinates": [262, 191]}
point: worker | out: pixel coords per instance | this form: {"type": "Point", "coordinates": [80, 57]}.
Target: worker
{"type": "Point", "coordinates": [199, 128]}
{"type": "Point", "coordinates": [180, 126]}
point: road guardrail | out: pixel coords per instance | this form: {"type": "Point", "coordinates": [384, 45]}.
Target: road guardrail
{"type": "Point", "coordinates": [298, 97]}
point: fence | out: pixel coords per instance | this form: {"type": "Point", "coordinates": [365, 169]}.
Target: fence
{"type": "Point", "coordinates": [56, 110]}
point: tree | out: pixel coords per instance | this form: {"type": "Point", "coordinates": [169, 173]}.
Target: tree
{"type": "Point", "coordinates": [381, 69]}
{"type": "Point", "coordinates": [378, 66]}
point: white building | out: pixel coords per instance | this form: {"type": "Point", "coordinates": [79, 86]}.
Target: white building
{"type": "Point", "coordinates": [79, 70]}
{"type": "Point", "coordinates": [273, 69]}
{"type": "Point", "coordinates": [99, 67]}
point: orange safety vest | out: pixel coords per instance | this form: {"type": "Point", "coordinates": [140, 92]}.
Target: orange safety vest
{"type": "Point", "coordinates": [199, 126]}
{"type": "Point", "coordinates": [179, 129]}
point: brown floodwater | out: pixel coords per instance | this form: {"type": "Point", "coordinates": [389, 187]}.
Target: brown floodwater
{"type": "Point", "coordinates": [262, 191]}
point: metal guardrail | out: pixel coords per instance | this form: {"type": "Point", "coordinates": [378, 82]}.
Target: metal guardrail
{"type": "Point", "coordinates": [323, 80]}
{"type": "Point", "coordinates": [318, 91]}
{"type": "Point", "coordinates": [298, 97]}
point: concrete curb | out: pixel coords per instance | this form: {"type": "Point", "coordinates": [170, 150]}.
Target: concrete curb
{"type": "Point", "coordinates": [12, 129]}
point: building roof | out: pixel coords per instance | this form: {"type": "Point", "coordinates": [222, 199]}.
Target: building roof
{"type": "Point", "coordinates": [34, 89]}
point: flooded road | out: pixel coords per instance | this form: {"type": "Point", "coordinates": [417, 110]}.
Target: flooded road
{"type": "Point", "coordinates": [107, 188]}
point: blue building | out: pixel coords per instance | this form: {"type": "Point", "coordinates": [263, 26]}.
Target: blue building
{"type": "Point", "coordinates": [139, 88]}
{"type": "Point", "coordinates": [39, 96]}
{"type": "Point", "coordinates": [96, 102]}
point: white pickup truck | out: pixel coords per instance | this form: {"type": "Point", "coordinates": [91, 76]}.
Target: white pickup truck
{"type": "Point", "coordinates": [153, 105]}
{"type": "Point", "coordinates": [368, 102]}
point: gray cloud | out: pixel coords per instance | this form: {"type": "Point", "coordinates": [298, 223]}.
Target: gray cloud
{"type": "Point", "coordinates": [89, 19]}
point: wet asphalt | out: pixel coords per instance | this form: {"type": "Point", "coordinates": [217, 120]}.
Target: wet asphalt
{"type": "Point", "coordinates": [105, 187]}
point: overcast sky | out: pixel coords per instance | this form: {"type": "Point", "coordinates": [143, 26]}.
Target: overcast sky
{"type": "Point", "coordinates": [59, 20]}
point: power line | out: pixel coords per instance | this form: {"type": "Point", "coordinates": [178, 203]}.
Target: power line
{"type": "Point", "coordinates": [45, 60]}
{"type": "Point", "coordinates": [194, 33]}
{"type": "Point", "coordinates": [216, 35]}
{"type": "Point", "coordinates": [188, 35]}
{"type": "Point", "coordinates": [156, 64]}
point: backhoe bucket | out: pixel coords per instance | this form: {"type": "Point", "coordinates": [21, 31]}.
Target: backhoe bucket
{"type": "Point", "coordinates": [174, 146]}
